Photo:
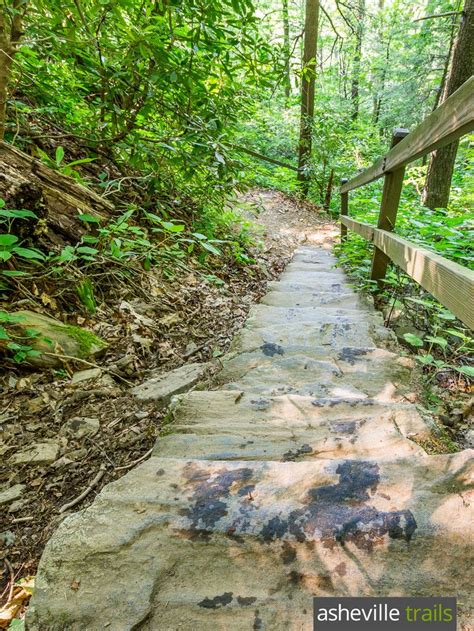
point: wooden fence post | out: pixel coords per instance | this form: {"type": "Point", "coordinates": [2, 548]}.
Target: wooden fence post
{"type": "Point", "coordinates": [388, 210]}
{"type": "Point", "coordinates": [344, 210]}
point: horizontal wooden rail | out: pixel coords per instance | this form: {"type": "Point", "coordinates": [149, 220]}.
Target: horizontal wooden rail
{"type": "Point", "coordinates": [453, 119]}
{"type": "Point", "coordinates": [364, 229]}
{"type": "Point", "coordinates": [448, 282]}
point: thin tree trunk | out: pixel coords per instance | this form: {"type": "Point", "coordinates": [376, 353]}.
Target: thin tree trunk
{"type": "Point", "coordinates": [10, 35]}
{"type": "Point", "coordinates": [441, 165]}
{"type": "Point", "coordinates": [379, 98]}
{"type": "Point", "coordinates": [286, 47]}
{"type": "Point", "coordinates": [308, 90]}
{"type": "Point", "coordinates": [327, 198]}
{"type": "Point", "coordinates": [355, 87]}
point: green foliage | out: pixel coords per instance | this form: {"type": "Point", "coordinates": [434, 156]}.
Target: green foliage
{"type": "Point", "coordinates": [446, 343]}
{"type": "Point", "coordinates": [13, 343]}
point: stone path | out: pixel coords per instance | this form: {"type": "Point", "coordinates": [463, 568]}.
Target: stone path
{"type": "Point", "coordinates": [300, 476]}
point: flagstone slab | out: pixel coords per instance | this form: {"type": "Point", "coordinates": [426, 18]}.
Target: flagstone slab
{"type": "Point", "coordinates": [186, 544]}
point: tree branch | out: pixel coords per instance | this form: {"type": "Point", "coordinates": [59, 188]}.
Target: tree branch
{"type": "Point", "coordinates": [439, 15]}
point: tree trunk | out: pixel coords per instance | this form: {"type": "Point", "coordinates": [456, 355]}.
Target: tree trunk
{"type": "Point", "coordinates": [441, 165]}
{"type": "Point", "coordinates": [286, 47]}
{"type": "Point", "coordinates": [10, 35]}
{"type": "Point", "coordinates": [307, 91]}
{"type": "Point", "coordinates": [357, 59]}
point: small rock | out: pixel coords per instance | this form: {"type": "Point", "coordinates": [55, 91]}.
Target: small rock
{"type": "Point", "coordinates": [40, 453]}
{"type": "Point", "coordinates": [164, 386]}
{"type": "Point", "coordinates": [141, 415]}
{"type": "Point", "coordinates": [11, 494]}
{"type": "Point", "coordinates": [86, 375]}
{"type": "Point", "coordinates": [7, 538]}
{"type": "Point", "coordinates": [446, 420]}
{"type": "Point", "coordinates": [469, 438]}
{"type": "Point", "coordinates": [17, 506]}
{"type": "Point", "coordinates": [35, 405]}
{"type": "Point", "coordinates": [81, 426]}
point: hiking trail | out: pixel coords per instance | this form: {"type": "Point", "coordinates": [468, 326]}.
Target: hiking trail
{"type": "Point", "coordinates": [301, 475]}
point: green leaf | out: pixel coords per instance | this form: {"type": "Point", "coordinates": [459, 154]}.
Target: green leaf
{"type": "Point", "coordinates": [173, 227]}
{"type": "Point", "coordinates": [86, 217]}
{"type": "Point", "coordinates": [18, 214]}
{"type": "Point", "coordinates": [414, 340]}
{"type": "Point", "coordinates": [440, 341]}
{"type": "Point", "coordinates": [8, 239]}
{"type": "Point", "coordinates": [28, 253]}
{"type": "Point", "coordinates": [5, 255]}
{"type": "Point", "coordinates": [12, 272]}
{"type": "Point", "coordinates": [59, 156]}
{"type": "Point", "coordinates": [85, 249]}
{"type": "Point", "coordinates": [466, 370]}
{"type": "Point", "coordinates": [210, 248]}
{"type": "Point", "coordinates": [81, 161]}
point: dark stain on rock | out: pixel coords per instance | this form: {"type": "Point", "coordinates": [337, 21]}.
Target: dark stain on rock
{"type": "Point", "coordinates": [288, 553]}
{"type": "Point", "coordinates": [270, 350]}
{"type": "Point", "coordinates": [294, 577]}
{"type": "Point", "coordinates": [325, 582]}
{"type": "Point", "coordinates": [337, 511]}
{"type": "Point", "coordinates": [334, 514]}
{"type": "Point", "coordinates": [216, 602]}
{"type": "Point", "coordinates": [160, 472]}
{"type": "Point", "coordinates": [246, 490]}
{"type": "Point", "coordinates": [275, 528]}
{"type": "Point", "coordinates": [246, 601]}
{"type": "Point", "coordinates": [260, 404]}
{"type": "Point", "coordinates": [341, 569]}
{"type": "Point", "coordinates": [257, 622]}
{"type": "Point", "coordinates": [349, 355]}
{"type": "Point", "coordinates": [209, 492]}
{"type": "Point", "coordinates": [344, 427]}
{"type": "Point", "coordinates": [300, 451]}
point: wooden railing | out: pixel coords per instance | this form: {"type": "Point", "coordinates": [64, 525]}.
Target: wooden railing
{"type": "Point", "coordinates": [448, 282]}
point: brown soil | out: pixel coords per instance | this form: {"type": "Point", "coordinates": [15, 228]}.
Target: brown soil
{"type": "Point", "coordinates": [154, 323]}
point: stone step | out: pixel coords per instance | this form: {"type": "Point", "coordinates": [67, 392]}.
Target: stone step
{"type": "Point", "coordinates": [222, 425]}
{"type": "Point", "coordinates": [376, 364]}
{"type": "Point", "coordinates": [314, 257]}
{"type": "Point", "coordinates": [298, 374]}
{"type": "Point", "coordinates": [262, 315]}
{"type": "Point", "coordinates": [313, 278]}
{"type": "Point", "coordinates": [323, 285]}
{"type": "Point", "coordinates": [333, 335]}
{"type": "Point", "coordinates": [314, 298]}
{"type": "Point", "coordinates": [186, 544]}
{"type": "Point", "coordinates": [322, 267]}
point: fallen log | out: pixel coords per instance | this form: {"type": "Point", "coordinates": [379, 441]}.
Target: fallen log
{"type": "Point", "coordinates": [58, 200]}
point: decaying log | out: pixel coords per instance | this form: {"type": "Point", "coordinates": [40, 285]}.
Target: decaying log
{"type": "Point", "coordinates": [27, 183]}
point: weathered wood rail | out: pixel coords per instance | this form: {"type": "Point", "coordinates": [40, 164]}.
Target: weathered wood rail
{"type": "Point", "coordinates": [448, 282]}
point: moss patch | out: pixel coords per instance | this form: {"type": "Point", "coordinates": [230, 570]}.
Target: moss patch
{"type": "Point", "coordinates": [88, 343]}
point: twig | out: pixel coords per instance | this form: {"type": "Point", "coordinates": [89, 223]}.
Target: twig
{"type": "Point", "coordinates": [338, 36]}
{"type": "Point", "coordinates": [78, 359]}
{"type": "Point", "coordinates": [21, 520]}
{"type": "Point", "coordinates": [11, 581]}
{"type": "Point", "coordinates": [132, 464]}
{"type": "Point", "coordinates": [85, 493]}
{"type": "Point", "coordinates": [260, 156]}
{"type": "Point", "coordinates": [439, 15]}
